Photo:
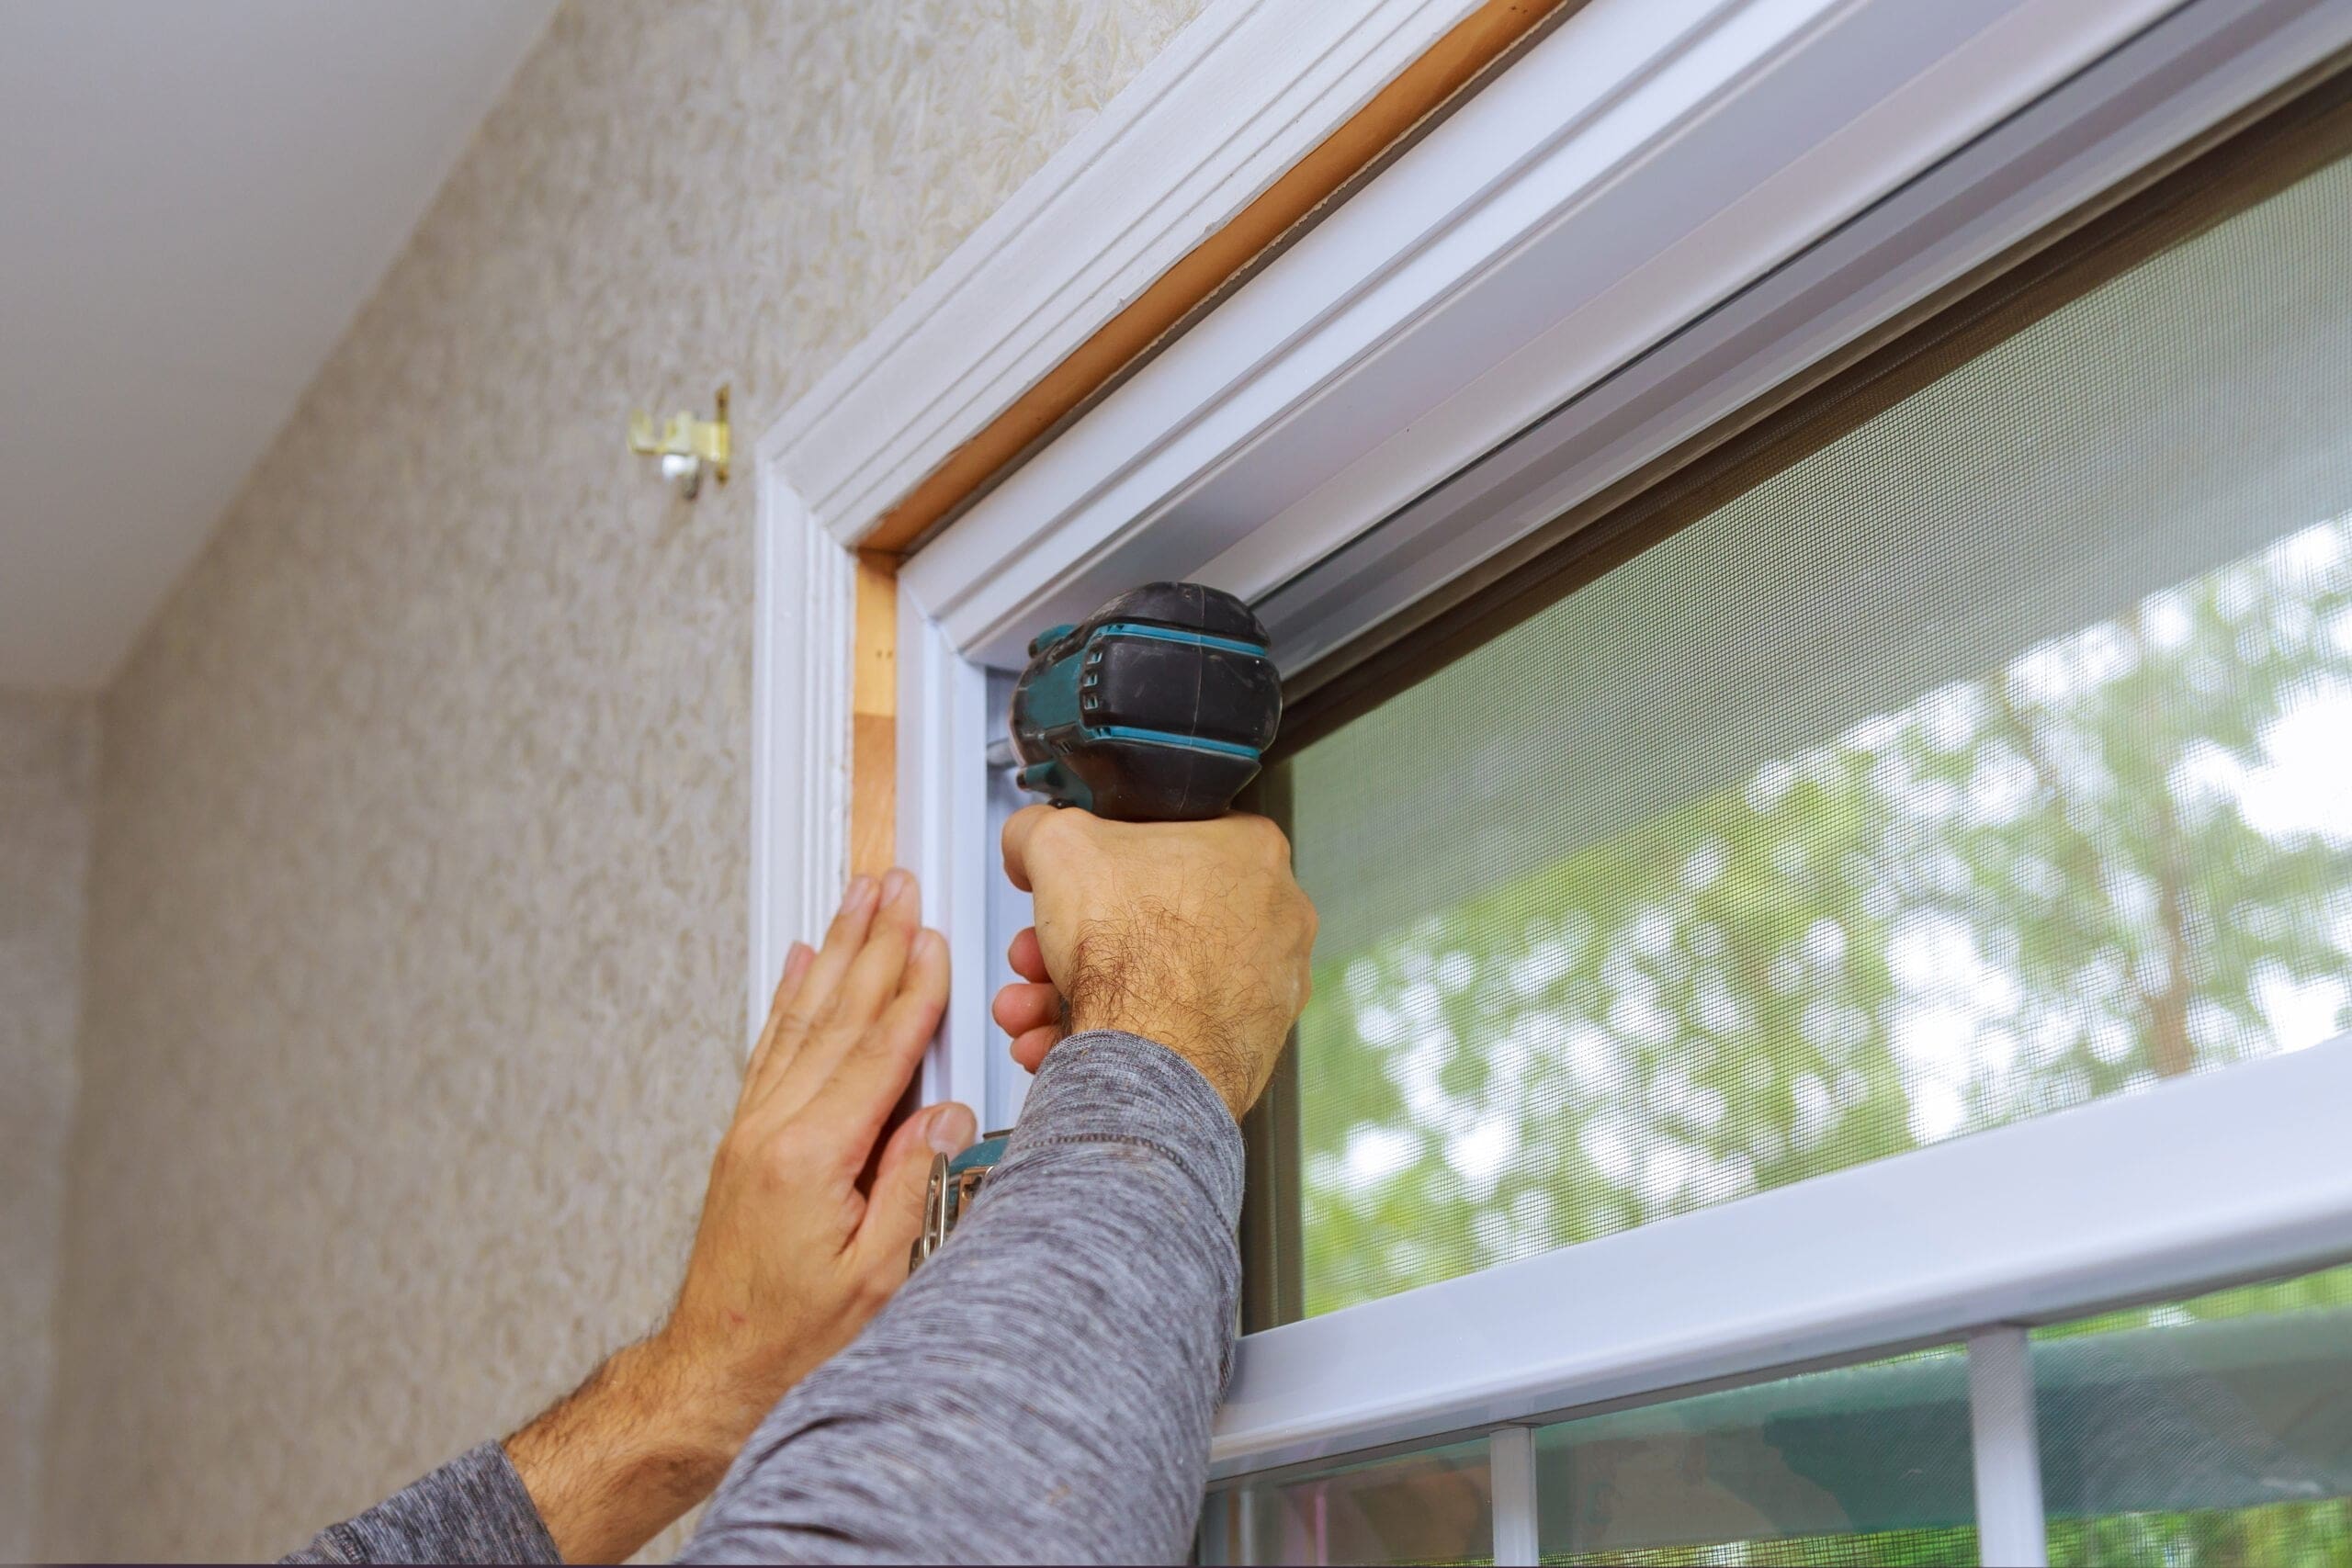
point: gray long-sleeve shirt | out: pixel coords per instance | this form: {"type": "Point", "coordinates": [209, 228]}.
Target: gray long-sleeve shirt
{"type": "Point", "coordinates": [1041, 1391]}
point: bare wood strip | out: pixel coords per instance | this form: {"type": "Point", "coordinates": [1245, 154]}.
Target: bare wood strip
{"type": "Point", "coordinates": [874, 718]}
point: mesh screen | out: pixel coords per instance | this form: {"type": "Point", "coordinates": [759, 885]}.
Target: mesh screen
{"type": "Point", "coordinates": [1892, 1549]}
{"type": "Point", "coordinates": [2200, 1434]}
{"type": "Point", "coordinates": [1863, 1464]}
{"type": "Point", "coordinates": [1988, 760]}
{"type": "Point", "coordinates": [1433, 1506]}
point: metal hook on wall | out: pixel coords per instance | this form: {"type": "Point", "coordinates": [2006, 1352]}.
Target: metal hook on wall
{"type": "Point", "coordinates": [687, 447]}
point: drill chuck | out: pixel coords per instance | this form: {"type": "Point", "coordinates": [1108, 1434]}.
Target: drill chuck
{"type": "Point", "coordinates": [1159, 707]}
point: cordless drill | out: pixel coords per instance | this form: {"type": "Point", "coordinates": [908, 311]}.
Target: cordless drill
{"type": "Point", "coordinates": [1159, 707]}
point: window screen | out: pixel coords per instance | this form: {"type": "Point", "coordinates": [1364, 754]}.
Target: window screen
{"type": "Point", "coordinates": [1992, 756]}
{"type": "Point", "coordinates": [2209, 1432]}
{"type": "Point", "coordinates": [1433, 1506]}
{"type": "Point", "coordinates": [1864, 1465]}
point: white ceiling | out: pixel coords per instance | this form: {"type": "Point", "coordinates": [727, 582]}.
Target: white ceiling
{"type": "Point", "coordinates": [194, 198]}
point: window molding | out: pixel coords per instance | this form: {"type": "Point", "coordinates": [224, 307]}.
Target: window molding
{"type": "Point", "coordinates": [1130, 196]}
{"type": "Point", "coordinates": [1639, 170]}
{"type": "Point", "coordinates": [804, 610]}
{"type": "Point", "coordinates": [2116, 128]}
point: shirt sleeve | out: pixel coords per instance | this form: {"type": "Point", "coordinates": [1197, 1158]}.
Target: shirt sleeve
{"type": "Point", "coordinates": [1041, 1391]}
{"type": "Point", "coordinates": [473, 1509]}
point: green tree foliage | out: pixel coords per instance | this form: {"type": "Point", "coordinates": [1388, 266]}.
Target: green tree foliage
{"type": "Point", "coordinates": [2278, 1535]}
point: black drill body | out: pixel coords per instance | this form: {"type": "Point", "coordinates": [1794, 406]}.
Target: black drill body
{"type": "Point", "coordinates": [1159, 707]}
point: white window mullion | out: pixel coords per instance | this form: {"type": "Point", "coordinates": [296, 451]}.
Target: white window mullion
{"type": "Point", "coordinates": [2010, 1525]}
{"type": "Point", "coordinates": [1511, 1468]}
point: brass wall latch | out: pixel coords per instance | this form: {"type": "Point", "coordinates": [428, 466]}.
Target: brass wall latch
{"type": "Point", "coordinates": [686, 445]}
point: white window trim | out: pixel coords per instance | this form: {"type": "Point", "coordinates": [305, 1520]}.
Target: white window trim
{"type": "Point", "coordinates": [1555, 245]}
{"type": "Point", "coordinates": [1129, 196]}
{"type": "Point", "coordinates": [803, 618]}
{"type": "Point", "coordinates": [1131, 193]}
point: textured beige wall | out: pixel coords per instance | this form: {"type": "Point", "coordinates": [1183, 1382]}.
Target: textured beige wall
{"type": "Point", "coordinates": [415, 986]}
{"type": "Point", "coordinates": [48, 770]}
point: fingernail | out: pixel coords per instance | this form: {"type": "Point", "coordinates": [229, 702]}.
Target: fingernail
{"type": "Point", "coordinates": [895, 885]}
{"type": "Point", "coordinates": [860, 889]}
{"type": "Point", "coordinates": [952, 1130]}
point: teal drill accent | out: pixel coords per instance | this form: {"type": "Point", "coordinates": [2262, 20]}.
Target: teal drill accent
{"type": "Point", "coordinates": [1046, 638]}
{"type": "Point", "coordinates": [1171, 634]}
{"type": "Point", "coordinates": [985, 1153]}
{"type": "Point", "coordinates": [1049, 778]}
{"type": "Point", "coordinates": [1053, 694]}
{"type": "Point", "coordinates": [1170, 738]}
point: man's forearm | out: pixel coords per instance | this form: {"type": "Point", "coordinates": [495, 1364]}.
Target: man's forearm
{"type": "Point", "coordinates": [1041, 1389]}
{"type": "Point", "coordinates": [621, 1457]}
{"type": "Point", "coordinates": [597, 1475]}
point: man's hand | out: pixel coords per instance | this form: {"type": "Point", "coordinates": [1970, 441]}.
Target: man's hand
{"type": "Point", "coordinates": [791, 1258]}
{"type": "Point", "coordinates": [1193, 934]}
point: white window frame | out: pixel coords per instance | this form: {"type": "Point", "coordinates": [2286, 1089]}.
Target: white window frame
{"type": "Point", "coordinates": [1125, 199]}
{"type": "Point", "coordinates": [1661, 211]}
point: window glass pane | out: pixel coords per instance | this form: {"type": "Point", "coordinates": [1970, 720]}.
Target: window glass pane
{"type": "Point", "coordinates": [1436, 1506]}
{"type": "Point", "coordinates": [2214, 1432]}
{"type": "Point", "coordinates": [1865, 1464]}
{"type": "Point", "coordinates": [1990, 759]}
